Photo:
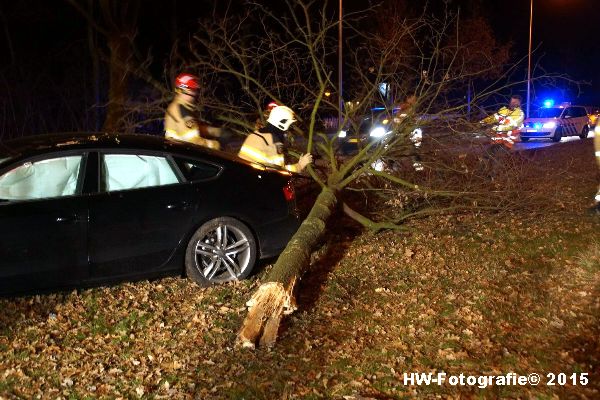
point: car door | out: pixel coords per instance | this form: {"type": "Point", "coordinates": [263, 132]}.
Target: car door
{"type": "Point", "coordinates": [581, 119]}
{"type": "Point", "coordinates": [139, 215]}
{"type": "Point", "coordinates": [570, 122]}
{"type": "Point", "coordinates": [43, 223]}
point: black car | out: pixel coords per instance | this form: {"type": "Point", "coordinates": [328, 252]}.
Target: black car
{"type": "Point", "coordinates": [82, 210]}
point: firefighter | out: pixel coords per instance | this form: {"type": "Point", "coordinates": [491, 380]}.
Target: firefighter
{"type": "Point", "coordinates": [266, 146]}
{"type": "Point", "coordinates": [507, 122]}
{"type": "Point", "coordinates": [180, 120]}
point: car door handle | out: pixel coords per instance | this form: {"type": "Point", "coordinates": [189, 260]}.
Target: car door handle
{"type": "Point", "coordinates": [182, 205]}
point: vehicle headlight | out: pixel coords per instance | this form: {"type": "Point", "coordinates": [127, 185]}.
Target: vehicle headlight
{"type": "Point", "coordinates": [549, 125]}
{"type": "Point", "coordinates": [342, 134]}
{"type": "Point", "coordinates": [377, 132]}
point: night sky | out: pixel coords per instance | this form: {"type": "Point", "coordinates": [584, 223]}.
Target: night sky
{"type": "Point", "coordinates": [566, 33]}
{"type": "Point", "coordinates": [48, 38]}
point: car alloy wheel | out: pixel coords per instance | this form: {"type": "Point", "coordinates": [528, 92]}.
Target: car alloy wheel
{"type": "Point", "coordinates": [221, 250]}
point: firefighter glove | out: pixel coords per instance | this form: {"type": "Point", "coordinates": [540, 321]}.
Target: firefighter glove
{"type": "Point", "coordinates": [305, 159]}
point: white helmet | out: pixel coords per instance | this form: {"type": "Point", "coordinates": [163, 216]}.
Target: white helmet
{"type": "Point", "coordinates": [281, 117]}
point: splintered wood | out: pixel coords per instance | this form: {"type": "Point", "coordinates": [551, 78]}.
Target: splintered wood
{"type": "Point", "coordinates": [265, 310]}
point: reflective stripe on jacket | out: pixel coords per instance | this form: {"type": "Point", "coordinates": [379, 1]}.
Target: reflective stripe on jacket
{"type": "Point", "coordinates": [259, 147]}
{"type": "Point", "coordinates": [507, 138]}
{"type": "Point", "coordinates": [180, 124]}
{"type": "Point", "coordinates": [508, 119]}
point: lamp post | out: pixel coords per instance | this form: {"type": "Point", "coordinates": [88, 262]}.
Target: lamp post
{"type": "Point", "coordinates": [529, 58]}
{"type": "Point", "coordinates": [340, 100]}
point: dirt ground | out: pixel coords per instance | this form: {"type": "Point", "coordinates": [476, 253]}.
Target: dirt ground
{"type": "Point", "coordinates": [496, 294]}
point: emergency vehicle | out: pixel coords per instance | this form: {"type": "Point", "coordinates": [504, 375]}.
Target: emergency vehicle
{"type": "Point", "coordinates": [556, 122]}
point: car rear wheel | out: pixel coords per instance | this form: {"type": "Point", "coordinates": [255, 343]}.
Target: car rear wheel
{"type": "Point", "coordinates": [584, 132]}
{"type": "Point", "coordinates": [221, 250]}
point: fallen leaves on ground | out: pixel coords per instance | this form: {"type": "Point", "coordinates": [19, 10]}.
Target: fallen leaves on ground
{"type": "Point", "coordinates": [472, 293]}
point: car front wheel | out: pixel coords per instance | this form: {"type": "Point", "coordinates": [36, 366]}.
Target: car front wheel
{"type": "Point", "coordinates": [557, 135]}
{"type": "Point", "coordinates": [584, 132]}
{"type": "Point", "coordinates": [221, 250]}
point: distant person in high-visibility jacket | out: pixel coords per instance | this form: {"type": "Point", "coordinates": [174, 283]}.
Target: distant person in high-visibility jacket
{"type": "Point", "coordinates": [507, 122]}
{"type": "Point", "coordinates": [181, 122]}
{"type": "Point", "coordinates": [267, 145]}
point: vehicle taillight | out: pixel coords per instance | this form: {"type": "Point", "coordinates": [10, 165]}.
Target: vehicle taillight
{"type": "Point", "coordinates": [288, 191]}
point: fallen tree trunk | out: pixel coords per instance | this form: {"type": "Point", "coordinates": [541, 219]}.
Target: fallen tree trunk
{"type": "Point", "coordinates": [275, 297]}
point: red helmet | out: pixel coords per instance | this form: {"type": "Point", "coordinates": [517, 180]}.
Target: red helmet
{"type": "Point", "coordinates": [271, 106]}
{"type": "Point", "coordinates": [187, 83]}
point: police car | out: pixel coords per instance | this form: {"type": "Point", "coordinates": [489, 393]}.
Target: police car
{"type": "Point", "coordinates": [556, 122]}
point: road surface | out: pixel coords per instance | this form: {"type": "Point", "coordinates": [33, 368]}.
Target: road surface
{"type": "Point", "coordinates": [539, 143]}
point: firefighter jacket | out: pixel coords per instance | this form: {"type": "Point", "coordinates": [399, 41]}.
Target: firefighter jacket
{"type": "Point", "coordinates": [506, 122]}
{"type": "Point", "coordinates": [181, 124]}
{"type": "Point", "coordinates": [266, 148]}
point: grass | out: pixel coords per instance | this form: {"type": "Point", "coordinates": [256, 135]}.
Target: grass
{"type": "Point", "coordinates": [474, 293]}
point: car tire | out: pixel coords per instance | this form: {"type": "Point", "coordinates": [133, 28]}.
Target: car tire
{"type": "Point", "coordinates": [524, 139]}
{"type": "Point", "coordinates": [584, 132]}
{"type": "Point", "coordinates": [557, 135]}
{"type": "Point", "coordinates": [221, 250]}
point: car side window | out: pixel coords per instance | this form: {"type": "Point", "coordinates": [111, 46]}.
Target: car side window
{"type": "Point", "coordinates": [194, 170]}
{"type": "Point", "coordinates": [132, 171]}
{"type": "Point", "coordinates": [53, 177]}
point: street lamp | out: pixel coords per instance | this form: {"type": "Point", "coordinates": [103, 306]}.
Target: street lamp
{"type": "Point", "coordinates": [340, 101]}
{"type": "Point", "coordinates": [529, 58]}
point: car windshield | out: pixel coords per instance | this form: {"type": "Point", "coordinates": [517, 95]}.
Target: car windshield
{"type": "Point", "coordinates": [547, 113]}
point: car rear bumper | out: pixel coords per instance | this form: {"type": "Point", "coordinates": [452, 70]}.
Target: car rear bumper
{"type": "Point", "coordinates": [274, 236]}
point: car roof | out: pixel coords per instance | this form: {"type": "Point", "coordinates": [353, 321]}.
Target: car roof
{"type": "Point", "coordinates": [38, 144]}
{"type": "Point", "coordinates": [78, 140]}
{"type": "Point", "coordinates": [30, 145]}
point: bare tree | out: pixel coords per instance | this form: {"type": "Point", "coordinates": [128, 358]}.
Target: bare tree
{"type": "Point", "coordinates": [259, 54]}
{"type": "Point", "coordinates": [117, 22]}
{"type": "Point", "coordinates": [284, 56]}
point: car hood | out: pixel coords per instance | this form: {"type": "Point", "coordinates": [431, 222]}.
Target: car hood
{"type": "Point", "coordinates": [541, 119]}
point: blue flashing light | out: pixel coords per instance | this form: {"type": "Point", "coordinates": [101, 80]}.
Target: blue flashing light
{"type": "Point", "coordinates": [395, 109]}
{"type": "Point", "coordinates": [548, 103]}
{"type": "Point", "coordinates": [537, 125]}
